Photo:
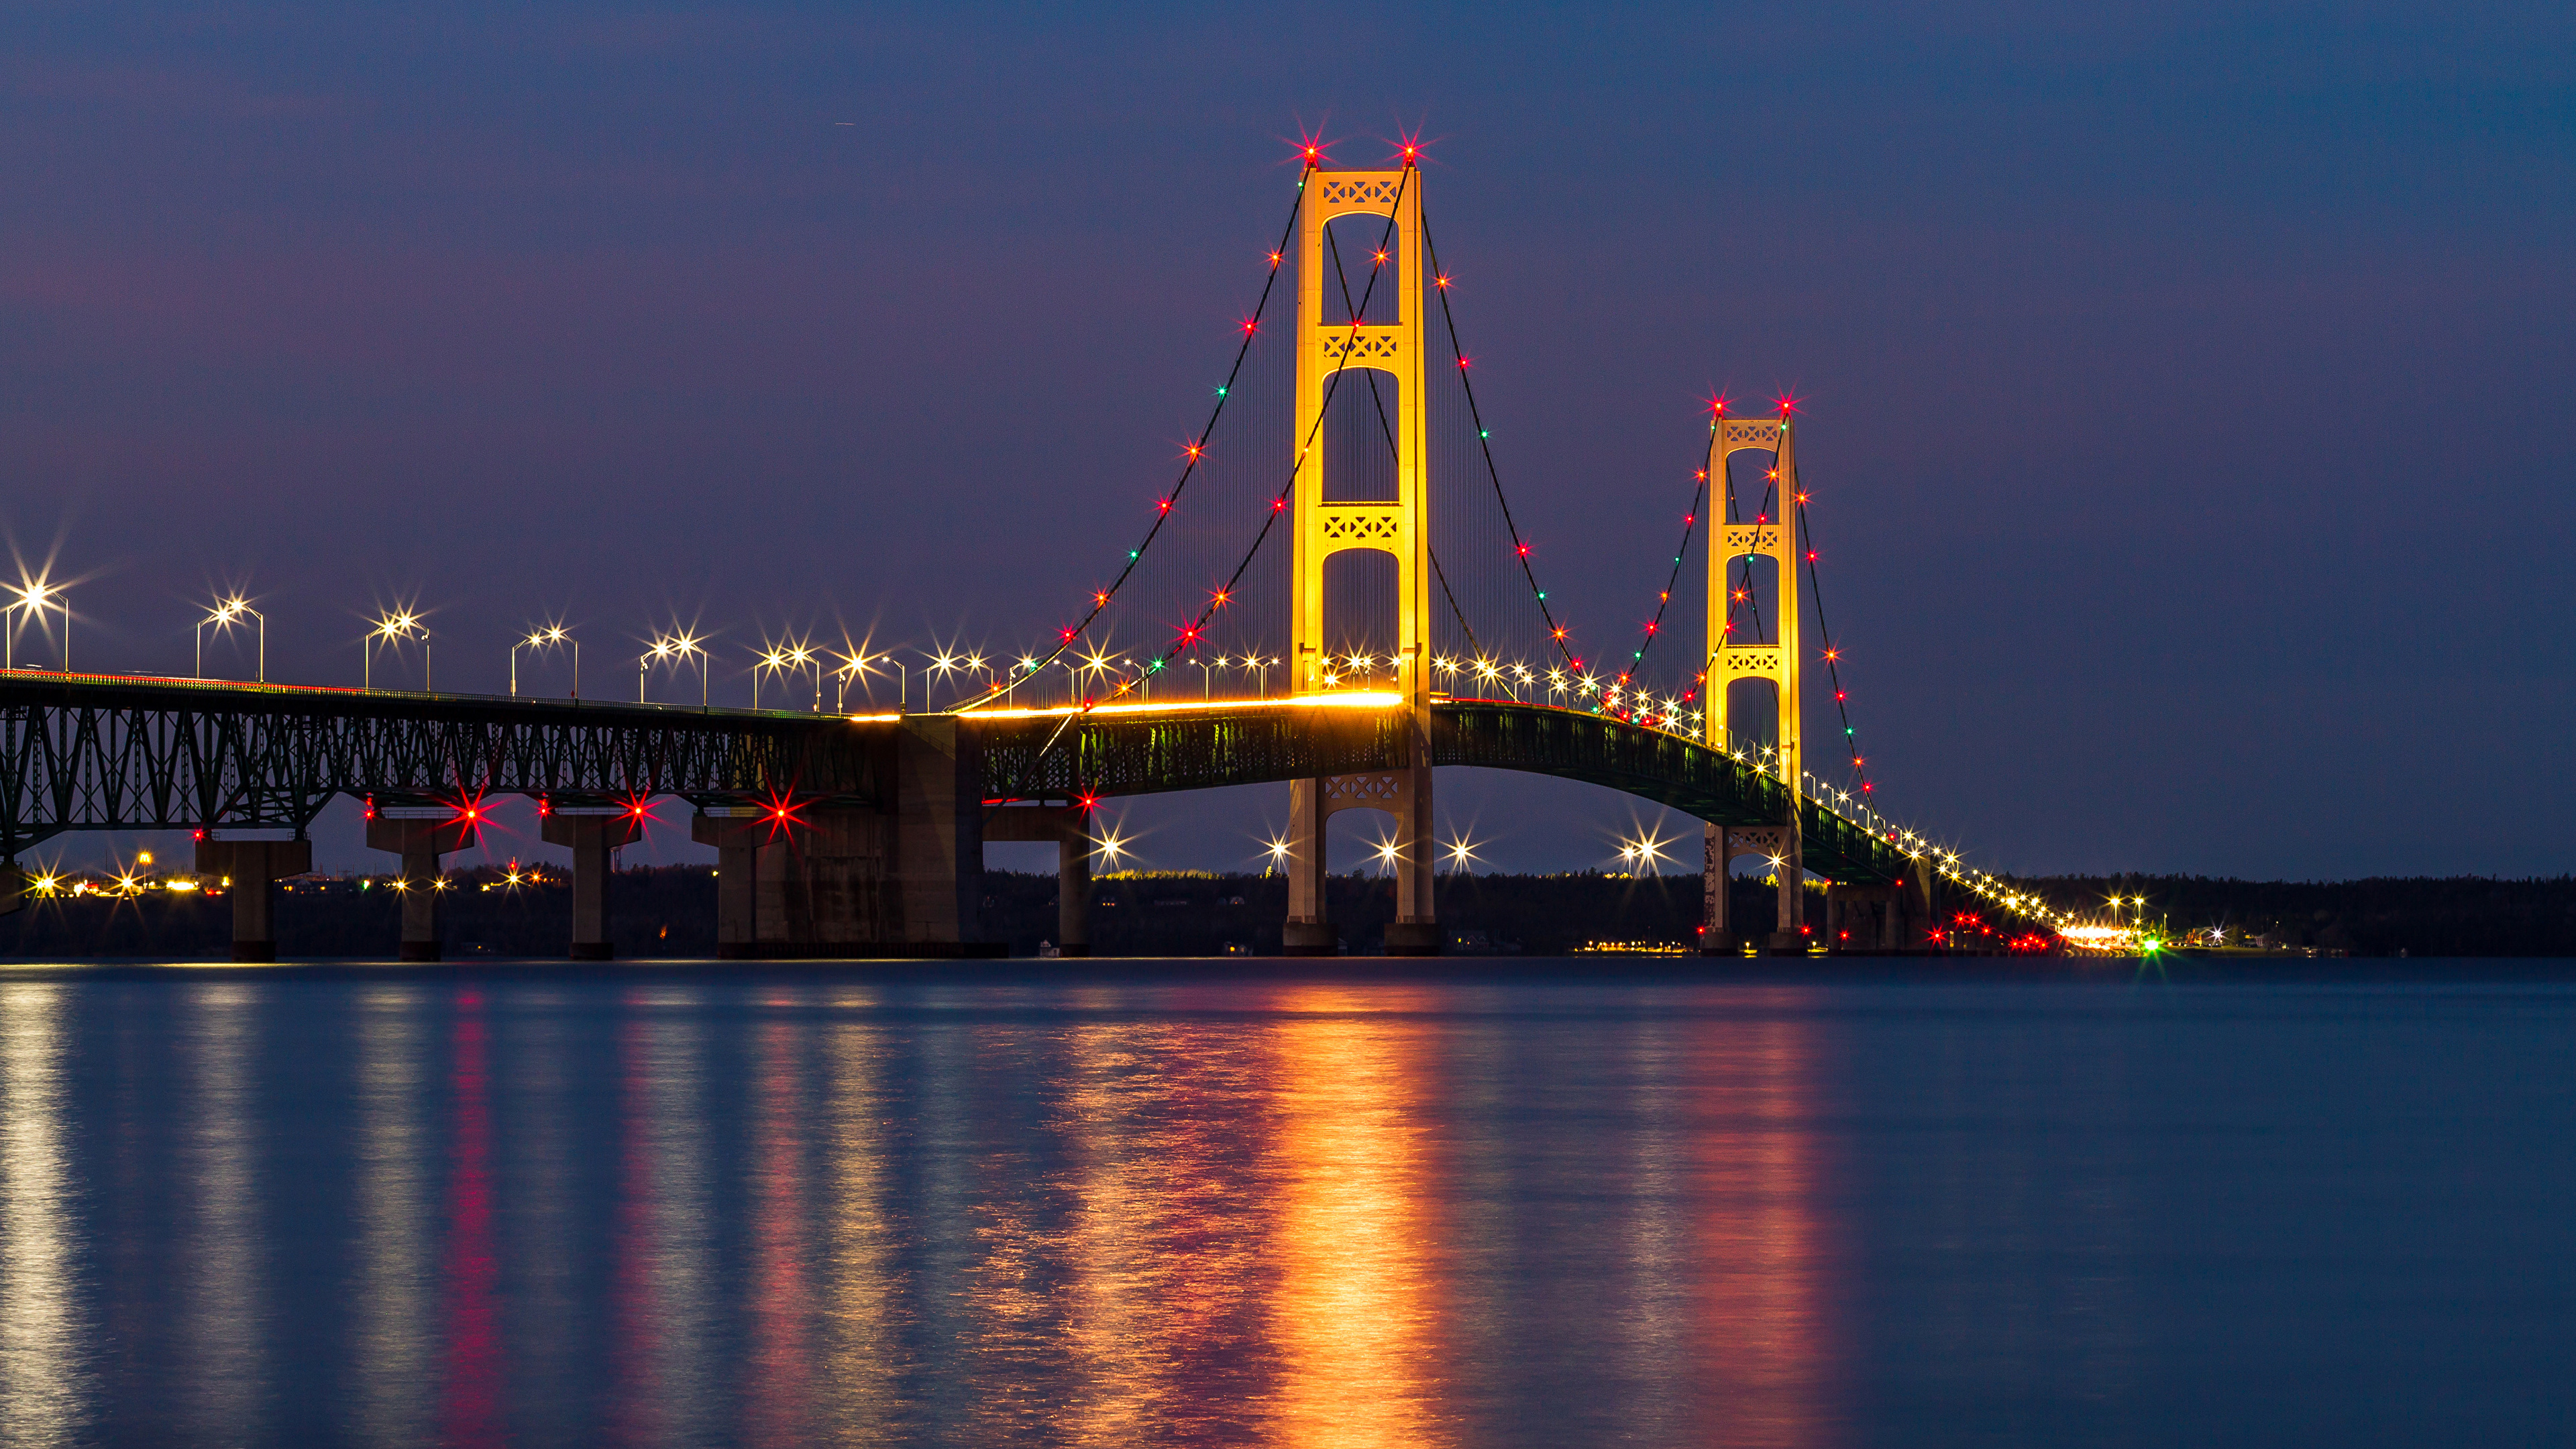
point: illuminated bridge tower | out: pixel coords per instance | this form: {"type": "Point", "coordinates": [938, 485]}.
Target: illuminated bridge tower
{"type": "Point", "coordinates": [1324, 527]}
{"type": "Point", "coordinates": [1772, 535]}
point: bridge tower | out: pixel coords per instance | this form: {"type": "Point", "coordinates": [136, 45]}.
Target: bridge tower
{"type": "Point", "coordinates": [1401, 528]}
{"type": "Point", "coordinates": [1772, 535]}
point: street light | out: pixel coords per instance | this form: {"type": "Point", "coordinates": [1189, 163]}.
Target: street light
{"type": "Point", "coordinates": [942, 664]}
{"type": "Point", "coordinates": [678, 647]}
{"type": "Point", "coordinates": [225, 614]}
{"type": "Point", "coordinates": [392, 630]}
{"type": "Point", "coordinates": [782, 658]}
{"type": "Point", "coordinates": [547, 638]}
{"type": "Point", "coordinates": [35, 598]}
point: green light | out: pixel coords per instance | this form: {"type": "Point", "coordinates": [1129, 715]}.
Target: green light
{"type": "Point", "coordinates": [1220, 392]}
{"type": "Point", "coordinates": [1131, 553]}
{"type": "Point", "coordinates": [1480, 432]}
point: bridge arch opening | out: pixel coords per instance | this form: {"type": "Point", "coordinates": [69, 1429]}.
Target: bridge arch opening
{"type": "Point", "coordinates": [1752, 715]}
{"type": "Point", "coordinates": [1354, 238]}
{"type": "Point", "coordinates": [1361, 617]}
{"type": "Point", "coordinates": [1357, 442]}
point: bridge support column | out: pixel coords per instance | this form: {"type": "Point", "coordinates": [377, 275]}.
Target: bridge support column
{"type": "Point", "coordinates": [737, 840]}
{"type": "Point", "coordinates": [591, 838]}
{"type": "Point", "coordinates": [817, 880]}
{"type": "Point", "coordinates": [1400, 527]}
{"type": "Point", "coordinates": [13, 887]}
{"type": "Point", "coordinates": [1069, 826]}
{"type": "Point", "coordinates": [1404, 793]}
{"type": "Point", "coordinates": [1777, 846]}
{"type": "Point", "coordinates": [420, 842]}
{"type": "Point", "coordinates": [1308, 931]}
{"type": "Point", "coordinates": [254, 867]}
{"type": "Point", "coordinates": [939, 839]}
{"type": "Point", "coordinates": [1858, 918]}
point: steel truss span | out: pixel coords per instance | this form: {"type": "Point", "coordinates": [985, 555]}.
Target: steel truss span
{"type": "Point", "coordinates": [101, 753]}
{"type": "Point", "coordinates": [1044, 756]}
{"type": "Point", "coordinates": [119, 754]}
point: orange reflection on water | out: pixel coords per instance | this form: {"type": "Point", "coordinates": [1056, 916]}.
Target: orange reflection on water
{"type": "Point", "coordinates": [779, 1408]}
{"type": "Point", "coordinates": [1354, 1316]}
{"type": "Point", "coordinates": [1163, 1241]}
{"type": "Point", "coordinates": [1765, 1354]}
{"type": "Point", "coordinates": [866, 1360]}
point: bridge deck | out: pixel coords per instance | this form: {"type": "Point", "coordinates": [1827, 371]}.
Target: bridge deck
{"type": "Point", "coordinates": [99, 752]}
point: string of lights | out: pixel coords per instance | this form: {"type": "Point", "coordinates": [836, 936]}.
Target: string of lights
{"type": "Point", "coordinates": [1378, 400]}
{"type": "Point", "coordinates": [1833, 654]}
{"type": "Point", "coordinates": [1189, 634]}
{"type": "Point", "coordinates": [1101, 599]}
{"type": "Point", "coordinates": [1664, 599]}
{"type": "Point", "coordinates": [1556, 632]}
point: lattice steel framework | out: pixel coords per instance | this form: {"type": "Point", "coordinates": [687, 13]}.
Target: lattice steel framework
{"type": "Point", "coordinates": [1110, 755]}
{"type": "Point", "coordinates": [91, 753]}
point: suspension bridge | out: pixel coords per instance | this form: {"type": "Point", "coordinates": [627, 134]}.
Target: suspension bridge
{"type": "Point", "coordinates": [1340, 519]}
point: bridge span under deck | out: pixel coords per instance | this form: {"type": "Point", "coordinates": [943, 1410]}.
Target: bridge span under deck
{"type": "Point", "coordinates": [837, 836]}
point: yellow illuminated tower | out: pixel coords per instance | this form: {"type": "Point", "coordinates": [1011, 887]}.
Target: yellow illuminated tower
{"type": "Point", "coordinates": [1772, 535]}
{"type": "Point", "coordinates": [1324, 527]}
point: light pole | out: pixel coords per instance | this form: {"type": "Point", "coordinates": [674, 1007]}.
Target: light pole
{"type": "Point", "coordinates": [782, 658]}
{"type": "Point", "coordinates": [941, 665]}
{"type": "Point", "coordinates": [673, 646]}
{"type": "Point", "coordinates": [35, 598]}
{"type": "Point", "coordinates": [223, 616]}
{"type": "Point", "coordinates": [547, 638]}
{"type": "Point", "coordinates": [392, 630]}
{"type": "Point", "coordinates": [1027, 667]}
{"type": "Point", "coordinates": [859, 666]}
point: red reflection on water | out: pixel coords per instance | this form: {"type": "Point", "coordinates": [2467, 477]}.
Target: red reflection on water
{"type": "Point", "coordinates": [781, 1299]}
{"type": "Point", "coordinates": [1765, 1356]}
{"type": "Point", "coordinates": [470, 1412]}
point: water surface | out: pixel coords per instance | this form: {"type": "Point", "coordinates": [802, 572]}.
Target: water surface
{"type": "Point", "coordinates": [704, 1208]}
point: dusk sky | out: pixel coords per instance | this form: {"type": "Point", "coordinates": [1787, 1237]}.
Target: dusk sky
{"type": "Point", "coordinates": [2186, 391]}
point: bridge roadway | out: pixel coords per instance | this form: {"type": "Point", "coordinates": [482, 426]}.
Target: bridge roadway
{"type": "Point", "coordinates": [133, 753]}
{"type": "Point", "coordinates": [94, 752]}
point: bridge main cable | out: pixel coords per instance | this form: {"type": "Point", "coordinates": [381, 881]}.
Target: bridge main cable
{"type": "Point", "coordinates": [1163, 507]}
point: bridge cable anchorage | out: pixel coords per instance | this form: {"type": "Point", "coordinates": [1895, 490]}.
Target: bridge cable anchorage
{"type": "Point", "coordinates": [1279, 504]}
{"type": "Point", "coordinates": [1388, 430]}
{"type": "Point", "coordinates": [1485, 443]}
{"type": "Point", "coordinates": [1164, 506]}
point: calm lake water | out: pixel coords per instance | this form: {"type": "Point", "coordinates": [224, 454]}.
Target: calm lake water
{"type": "Point", "coordinates": [700, 1208]}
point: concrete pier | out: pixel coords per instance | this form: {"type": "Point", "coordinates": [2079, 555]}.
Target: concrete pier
{"type": "Point", "coordinates": [420, 842]}
{"type": "Point", "coordinates": [1069, 826]}
{"type": "Point", "coordinates": [591, 838]}
{"type": "Point", "coordinates": [820, 878]}
{"type": "Point", "coordinates": [252, 869]}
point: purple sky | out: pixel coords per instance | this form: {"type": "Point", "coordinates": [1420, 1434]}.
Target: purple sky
{"type": "Point", "coordinates": [2188, 394]}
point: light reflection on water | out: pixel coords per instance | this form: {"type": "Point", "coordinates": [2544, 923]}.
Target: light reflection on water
{"type": "Point", "coordinates": [717, 1212]}
{"type": "Point", "coordinates": [41, 1377]}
